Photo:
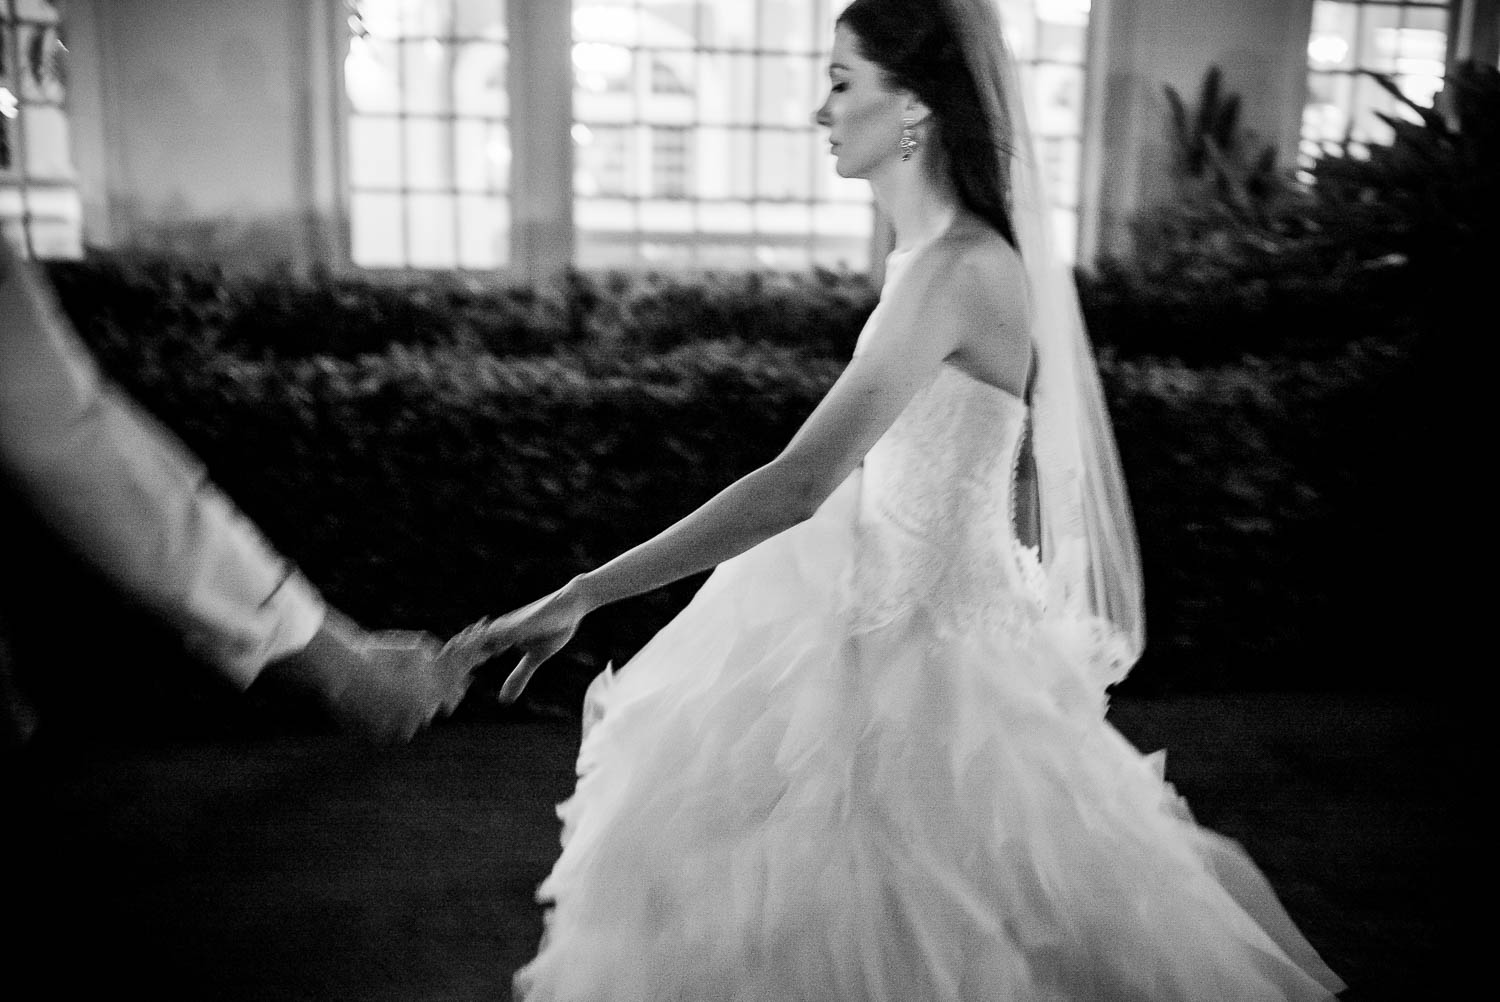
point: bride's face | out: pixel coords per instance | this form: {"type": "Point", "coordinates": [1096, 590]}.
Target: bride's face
{"type": "Point", "coordinates": [862, 115]}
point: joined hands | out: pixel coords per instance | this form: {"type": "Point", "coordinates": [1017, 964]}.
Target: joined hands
{"type": "Point", "coordinates": [539, 630]}
{"type": "Point", "coordinates": [386, 685]}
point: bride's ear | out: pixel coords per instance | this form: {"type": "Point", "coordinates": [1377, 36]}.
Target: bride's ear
{"type": "Point", "coordinates": [916, 111]}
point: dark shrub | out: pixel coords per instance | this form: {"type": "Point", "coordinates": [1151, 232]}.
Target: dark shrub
{"type": "Point", "coordinates": [427, 486]}
{"type": "Point", "coordinates": [1368, 244]}
{"type": "Point", "coordinates": [1431, 198]}
{"type": "Point", "coordinates": [119, 298]}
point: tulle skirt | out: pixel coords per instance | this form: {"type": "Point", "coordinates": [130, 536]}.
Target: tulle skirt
{"type": "Point", "coordinates": [778, 801]}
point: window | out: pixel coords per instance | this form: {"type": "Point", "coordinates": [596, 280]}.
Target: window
{"type": "Point", "coordinates": [602, 163]}
{"type": "Point", "coordinates": [664, 79]}
{"type": "Point", "coordinates": [669, 161]}
{"type": "Point", "coordinates": [694, 138]}
{"type": "Point", "coordinates": [1405, 40]}
{"type": "Point", "coordinates": [39, 205]}
{"type": "Point", "coordinates": [428, 134]}
{"type": "Point", "coordinates": [1049, 40]}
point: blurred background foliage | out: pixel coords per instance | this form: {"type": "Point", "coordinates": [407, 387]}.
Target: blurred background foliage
{"type": "Point", "coordinates": [445, 447]}
{"type": "Point", "coordinates": [1244, 258]}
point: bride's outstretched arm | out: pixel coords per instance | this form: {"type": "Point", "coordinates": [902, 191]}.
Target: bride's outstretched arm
{"type": "Point", "coordinates": [896, 360]}
{"type": "Point", "coordinates": [925, 320]}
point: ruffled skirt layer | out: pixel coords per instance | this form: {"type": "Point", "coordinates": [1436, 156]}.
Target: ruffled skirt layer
{"type": "Point", "coordinates": [775, 803]}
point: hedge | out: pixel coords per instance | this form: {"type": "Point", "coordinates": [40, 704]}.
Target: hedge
{"type": "Point", "coordinates": [437, 479]}
{"type": "Point", "coordinates": [1183, 302]}
{"type": "Point", "coordinates": [124, 299]}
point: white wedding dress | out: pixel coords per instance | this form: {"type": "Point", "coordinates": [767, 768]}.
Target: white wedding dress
{"type": "Point", "coordinates": [863, 765]}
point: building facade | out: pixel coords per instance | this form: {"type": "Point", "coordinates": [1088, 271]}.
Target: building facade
{"type": "Point", "coordinates": [531, 135]}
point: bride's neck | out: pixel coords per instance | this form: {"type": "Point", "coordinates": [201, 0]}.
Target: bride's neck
{"type": "Point", "coordinates": [919, 199]}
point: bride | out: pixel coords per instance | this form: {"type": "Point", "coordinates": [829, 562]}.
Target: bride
{"type": "Point", "coordinates": [869, 761]}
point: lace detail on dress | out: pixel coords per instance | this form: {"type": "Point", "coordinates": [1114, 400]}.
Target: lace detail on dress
{"type": "Point", "coordinates": [936, 517]}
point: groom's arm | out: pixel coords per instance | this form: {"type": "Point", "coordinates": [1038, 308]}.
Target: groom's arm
{"type": "Point", "coordinates": [136, 503]}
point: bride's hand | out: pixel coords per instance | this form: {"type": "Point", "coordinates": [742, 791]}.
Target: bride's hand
{"type": "Point", "coordinates": [540, 630]}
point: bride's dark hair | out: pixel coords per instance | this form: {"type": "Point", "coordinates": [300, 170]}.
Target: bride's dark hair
{"type": "Point", "coordinates": [916, 49]}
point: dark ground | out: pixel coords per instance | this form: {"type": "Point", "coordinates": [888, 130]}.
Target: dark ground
{"type": "Point", "coordinates": [305, 866]}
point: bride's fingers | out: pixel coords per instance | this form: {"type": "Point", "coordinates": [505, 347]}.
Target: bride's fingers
{"type": "Point", "coordinates": [502, 635]}
{"type": "Point", "coordinates": [465, 651]}
{"type": "Point", "coordinates": [516, 681]}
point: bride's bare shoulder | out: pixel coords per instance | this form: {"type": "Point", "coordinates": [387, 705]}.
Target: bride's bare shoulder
{"type": "Point", "coordinates": [973, 250]}
{"type": "Point", "coordinates": [973, 266]}
{"type": "Point", "coordinates": [970, 276]}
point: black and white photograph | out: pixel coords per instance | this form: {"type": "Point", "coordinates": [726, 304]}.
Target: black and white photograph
{"type": "Point", "coordinates": [739, 500]}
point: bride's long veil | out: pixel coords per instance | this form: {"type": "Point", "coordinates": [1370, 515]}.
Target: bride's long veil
{"type": "Point", "coordinates": [1088, 540]}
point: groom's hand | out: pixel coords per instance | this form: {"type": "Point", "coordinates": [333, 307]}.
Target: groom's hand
{"type": "Point", "coordinates": [385, 685]}
{"type": "Point", "coordinates": [395, 691]}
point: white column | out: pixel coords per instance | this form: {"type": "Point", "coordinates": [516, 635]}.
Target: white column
{"type": "Point", "coordinates": [541, 137]}
{"type": "Point", "coordinates": [203, 108]}
{"type": "Point", "coordinates": [321, 39]}
{"type": "Point", "coordinates": [88, 124]}
{"type": "Point", "coordinates": [1476, 32]}
{"type": "Point", "coordinates": [1138, 47]}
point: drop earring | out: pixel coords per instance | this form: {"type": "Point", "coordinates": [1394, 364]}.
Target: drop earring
{"type": "Point", "coordinates": [908, 138]}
